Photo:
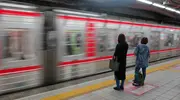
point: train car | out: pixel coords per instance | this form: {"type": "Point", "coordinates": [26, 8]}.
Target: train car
{"type": "Point", "coordinates": [87, 43]}
{"type": "Point", "coordinates": [20, 48]}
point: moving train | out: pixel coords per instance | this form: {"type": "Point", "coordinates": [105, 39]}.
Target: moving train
{"type": "Point", "coordinates": [84, 45]}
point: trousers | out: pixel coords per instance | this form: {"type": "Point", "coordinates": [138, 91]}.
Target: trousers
{"type": "Point", "coordinates": [118, 83]}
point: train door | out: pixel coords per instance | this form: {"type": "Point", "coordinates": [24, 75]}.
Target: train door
{"type": "Point", "coordinates": [20, 49]}
{"type": "Point", "coordinates": [106, 43]}
{"type": "Point", "coordinates": [167, 43]}
{"type": "Point", "coordinates": [71, 48]}
{"type": "Point", "coordinates": [154, 43]}
{"type": "Point", "coordinates": [49, 48]}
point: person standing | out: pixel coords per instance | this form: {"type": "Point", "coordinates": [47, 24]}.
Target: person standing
{"type": "Point", "coordinates": [142, 54]}
{"type": "Point", "coordinates": [120, 54]}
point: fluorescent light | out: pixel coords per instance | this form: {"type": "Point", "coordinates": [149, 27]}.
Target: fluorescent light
{"type": "Point", "coordinates": [145, 1]}
{"type": "Point", "coordinates": [17, 5]}
{"type": "Point", "coordinates": [170, 9]}
{"type": "Point", "coordinates": [177, 11]}
{"type": "Point", "coordinates": [158, 5]}
{"type": "Point", "coordinates": [77, 13]}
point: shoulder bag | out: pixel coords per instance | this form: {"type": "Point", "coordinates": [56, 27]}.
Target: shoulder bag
{"type": "Point", "coordinates": [114, 65]}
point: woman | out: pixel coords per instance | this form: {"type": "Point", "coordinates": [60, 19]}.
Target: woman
{"type": "Point", "coordinates": [120, 54]}
{"type": "Point", "coordinates": [142, 57]}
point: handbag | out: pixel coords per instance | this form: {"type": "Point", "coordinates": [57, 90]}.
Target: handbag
{"type": "Point", "coordinates": [139, 79]}
{"type": "Point", "coordinates": [114, 65]}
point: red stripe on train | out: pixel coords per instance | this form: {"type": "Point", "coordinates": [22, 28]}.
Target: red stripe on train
{"type": "Point", "coordinates": [19, 70]}
{"type": "Point", "coordinates": [19, 13]}
{"type": "Point", "coordinates": [113, 21]}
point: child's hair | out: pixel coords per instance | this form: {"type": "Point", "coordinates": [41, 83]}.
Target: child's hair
{"type": "Point", "coordinates": [144, 40]}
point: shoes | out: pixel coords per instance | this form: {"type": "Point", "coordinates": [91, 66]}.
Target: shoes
{"type": "Point", "coordinates": [117, 89]}
{"type": "Point", "coordinates": [136, 84]}
{"type": "Point", "coordinates": [121, 88]}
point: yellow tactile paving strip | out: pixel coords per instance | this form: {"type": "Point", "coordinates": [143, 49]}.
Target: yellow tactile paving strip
{"type": "Point", "coordinates": [94, 87]}
{"type": "Point", "coordinates": [173, 69]}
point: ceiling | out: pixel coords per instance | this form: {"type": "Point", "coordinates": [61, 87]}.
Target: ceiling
{"type": "Point", "coordinates": [127, 8]}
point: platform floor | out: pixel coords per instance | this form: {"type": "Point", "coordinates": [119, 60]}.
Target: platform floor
{"type": "Point", "coordinates": [162, 83]}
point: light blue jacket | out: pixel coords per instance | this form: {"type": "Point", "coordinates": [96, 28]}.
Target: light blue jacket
{"type": "Point", "coordinates": [142, 55]}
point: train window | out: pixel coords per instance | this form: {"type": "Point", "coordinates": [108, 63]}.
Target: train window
{"type": "Point", "coordinates": [15, 44]}
{"type": "Point", "coordinates": [133, 39]}
{"type": "Point", "coordinates": [106, 39]}
{"type": "Point", "coordinates": [102, 38]}
{"type": "Point", "coordinates": [73, 42]}
{"type": "Point", "coordinates": [168, 40]}
{"type": "Point", "coordinates": [112, 39]}
{"type": "Point", "coordinates": [154, 40]}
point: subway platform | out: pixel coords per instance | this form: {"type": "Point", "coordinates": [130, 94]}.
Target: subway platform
{"type": "Point", "coordinates": [162, 83]}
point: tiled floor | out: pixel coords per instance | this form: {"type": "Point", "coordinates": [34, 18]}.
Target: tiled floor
{"type": "Point", "coordinates": [167, 84]}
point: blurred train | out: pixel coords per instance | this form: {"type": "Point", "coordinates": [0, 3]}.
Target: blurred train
{"type": "Point", "coordinates": [84, 45]}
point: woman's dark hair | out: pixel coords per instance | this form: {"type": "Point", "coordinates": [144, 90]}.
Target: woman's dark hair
{"type": "Point", "coordinates": [144, 40]}
{"type": "Point", "coordinates": [121, 38]}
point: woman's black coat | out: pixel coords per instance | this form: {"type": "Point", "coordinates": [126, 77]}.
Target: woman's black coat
{"type": "Point", "coordinates": [120, 54]}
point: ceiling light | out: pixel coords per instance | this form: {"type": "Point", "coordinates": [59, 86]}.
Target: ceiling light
{"type": "Point", "coordinates": [177, 11]}
{"type": "Point", "coordinates": [145, 1]}
{"type": "Point", "coordinates": [170, 9]}
{"type": "Point", "coordinates": [77, 13]}
{"type": "Point", "coordinates": [17, 5]}
{"type": "Point", "coordinates": [158, 5]}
